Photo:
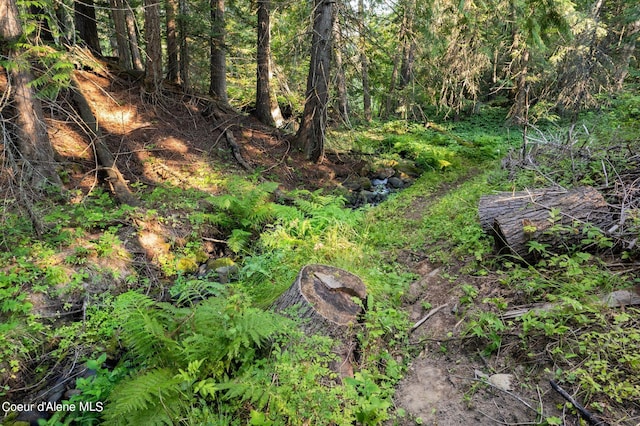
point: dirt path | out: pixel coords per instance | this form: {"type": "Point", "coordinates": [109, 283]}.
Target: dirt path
{"type": "Point", "coordinates": [443, 384]}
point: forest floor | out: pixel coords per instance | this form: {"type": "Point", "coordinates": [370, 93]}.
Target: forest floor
{"type": "Point", "coordinates": [172, 142]}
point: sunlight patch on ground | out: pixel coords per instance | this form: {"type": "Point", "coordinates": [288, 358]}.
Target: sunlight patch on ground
{"type": "Point", "coordinates": [117, 120]}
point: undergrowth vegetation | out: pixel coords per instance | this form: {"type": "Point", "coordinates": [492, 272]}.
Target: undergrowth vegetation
{"type": "Point", "coordinates": [167, 343]}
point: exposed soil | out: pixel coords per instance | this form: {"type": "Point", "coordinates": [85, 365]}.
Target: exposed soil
{"type": "Point", "coordinates": [442, 385]}
{"type": "Point", "coordinates": [172, 140]}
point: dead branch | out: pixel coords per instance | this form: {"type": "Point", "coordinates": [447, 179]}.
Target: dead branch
{"type": "Point", "coordinates": [106, 160]}
{"type": "Point", "coordinates": [590, 418]}
{"type": "Point", "coordinates": [614, 299]}
{"type": "Point", "coordinates": [236, 151]}
{"type": "Point", "coordinates": [431, 313]}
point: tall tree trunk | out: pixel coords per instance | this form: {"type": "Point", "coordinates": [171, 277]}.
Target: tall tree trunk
{"type": "Point", "coordinates": [628, 49]}
{"type": "Point", "coordinates": [64, 22]}
{"type": "Point", "coordinates": [390, 105]}
{"type": "Point", "coordinates": [32, 143]}
{"type": "Point", "coordinates": [520, 106]}
{"type": "Point", "coordinates": [86, 25]}
{"type": "Point", "coordinates": [122, 39]}
{"type": "Point", "coordinates": [171, 7]}
{"type": "Point", "coordinates": [343, 104]}
{"type": "Point", "coordinates": [136, 57]}
{"type": "Point", "coordinates": [408, 55]}
{"type": "Point", "coordinates": [403, 60]}
{"type": "Point", "coordinates": [184, 48]}
{"type": "Point", "coordinates": [153, 70]}
{"type": "Point", "coordinates": [267, 108]}
{"type": "Point", "coordinates": [364, 62]}
{"type": "Point", "coordinates": [218, 61]}
{"type": "Point", "coordinates": [311, 134]}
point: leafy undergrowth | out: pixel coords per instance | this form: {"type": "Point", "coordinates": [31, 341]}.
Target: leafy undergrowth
{"type": "Point", "coordinates": [123, 291]}
{"type": "Point", "coordinates": [565, 326]}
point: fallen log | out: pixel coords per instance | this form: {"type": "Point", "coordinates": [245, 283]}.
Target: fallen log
{"type": "Point", "coordinates": [492, 206]}
{"type": "Point", "coordinates": [328, 301]}
{"type": "Point", "coordinates": [551, 217]}
{"type": "Point", "coordinates": [615, 299]}
{"type": "Point", "coordinates": [104, 157]}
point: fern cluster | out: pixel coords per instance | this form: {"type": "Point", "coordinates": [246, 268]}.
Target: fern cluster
{"type": "Point", "coordinates": [183, 355]}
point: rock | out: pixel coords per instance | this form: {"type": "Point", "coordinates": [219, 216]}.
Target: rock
{"type": "Point", "coordinates": [408, 168]}
{"type": "Point", "coordinates": [367, 197]}
{"type": "Point", "coordinates": [376, 182]}
{"type": "Point", "coordinates": [213, 264]}
{"type": "Point", "coordinates": [365, 182]}
{"type": "Point", "coordinates": [384, 173]}
{"type": "Point", "coordinates": [226, 273]}
{"type": "Point", "coordinates": [224, 267]}
{"type": "Point", "coordinates": [357, 183]}
{"type": "Point", "coordinates": [396, 183]}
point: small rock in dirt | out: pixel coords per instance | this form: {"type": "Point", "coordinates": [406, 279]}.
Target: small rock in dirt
{"type": "Point", "coordinates": [395, 182]}
{"type": "Point", "coordinates": [502, 381]}
{"type": "Point", "coordinates": [384, 173]}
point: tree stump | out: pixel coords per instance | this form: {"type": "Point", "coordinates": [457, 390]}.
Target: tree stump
{"type": "Point", "coordinates": [329, 301]}
{"type": "Point", "coordinates": [516, 218]}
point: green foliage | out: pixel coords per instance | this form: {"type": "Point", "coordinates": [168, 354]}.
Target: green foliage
{"type": "Point", "coordinates": [148, 398]}
{"type": "Point", "coordinates": [372, 410]}
{"type": "Point", "coordinates": [97, 211]}
{"type": "Point", "coordinates": [168, 346]}
{"type": "Point", "coordinates": [488, 326]}
{"type": "Point", "coordinates": [611, 367]}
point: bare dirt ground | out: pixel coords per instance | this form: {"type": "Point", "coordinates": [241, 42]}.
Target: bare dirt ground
{"type": "Point", "coordinates": [444, 384]}
{"type": "Point", "coordinates": [449, 380]}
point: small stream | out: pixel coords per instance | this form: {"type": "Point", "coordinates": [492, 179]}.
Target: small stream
{"type": "Point", "coordinates": [375, 189]}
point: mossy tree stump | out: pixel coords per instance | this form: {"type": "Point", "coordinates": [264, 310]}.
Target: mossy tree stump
{"type": "Point", "coordinates": [328, 301]}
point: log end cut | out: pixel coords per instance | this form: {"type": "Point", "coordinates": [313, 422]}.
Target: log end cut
{"type": "Point", "coordinates": [327, 292]}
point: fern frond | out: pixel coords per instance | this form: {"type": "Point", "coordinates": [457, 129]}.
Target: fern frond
{"type": "Point", "coordinates": [238, 240]}
{"type": "Point", "coordinates": [225, 333]}
{"type": "Point", "coordinates": [152, 396]}
{"type": "Point", "coordinates": [146, 325]}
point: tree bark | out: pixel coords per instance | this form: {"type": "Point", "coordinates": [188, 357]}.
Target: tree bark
{"type": "Point", "coordinates": [136, 57]}
{"type": "Point", "coordinates": [86, 25]}
{"type": "Point", "coordinates": [514, 219]}
{"type": "Point", "coordinates": [122, 40]}
{"type": "Point", "coordinates": [218, 61]}
{"type": "Point", "coordinates": [311, 134]}
{"type": "Point", "coordinates": [153, 69]}
{"type": "Point", "coordinates": [628, 49]}
{"type": "Point", "coordinates": [267, 108]}
{"type": "Point", "coordinates": [408, 45]}
{"type": "Point", "coordinates": [391, 103]}
{"type": "Point", "coordinates": [324, 296]}
{"type": "Point", "coordinates": [329, 301]}
{"type": "Point", "coordinates": [364, 63]}
{"type": "Point", "coordinates": [171, 8]}
{"type": "Point", "coordinates": [184, 47]}
{"type": "Point", "coordinates": [403, 59]}
{"type": "Point", "coordinates": [343, 104]}
{"type": "Point", "coordinates": [104, 158]}
{"type": "Point", "coordinates": [32, 143]}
